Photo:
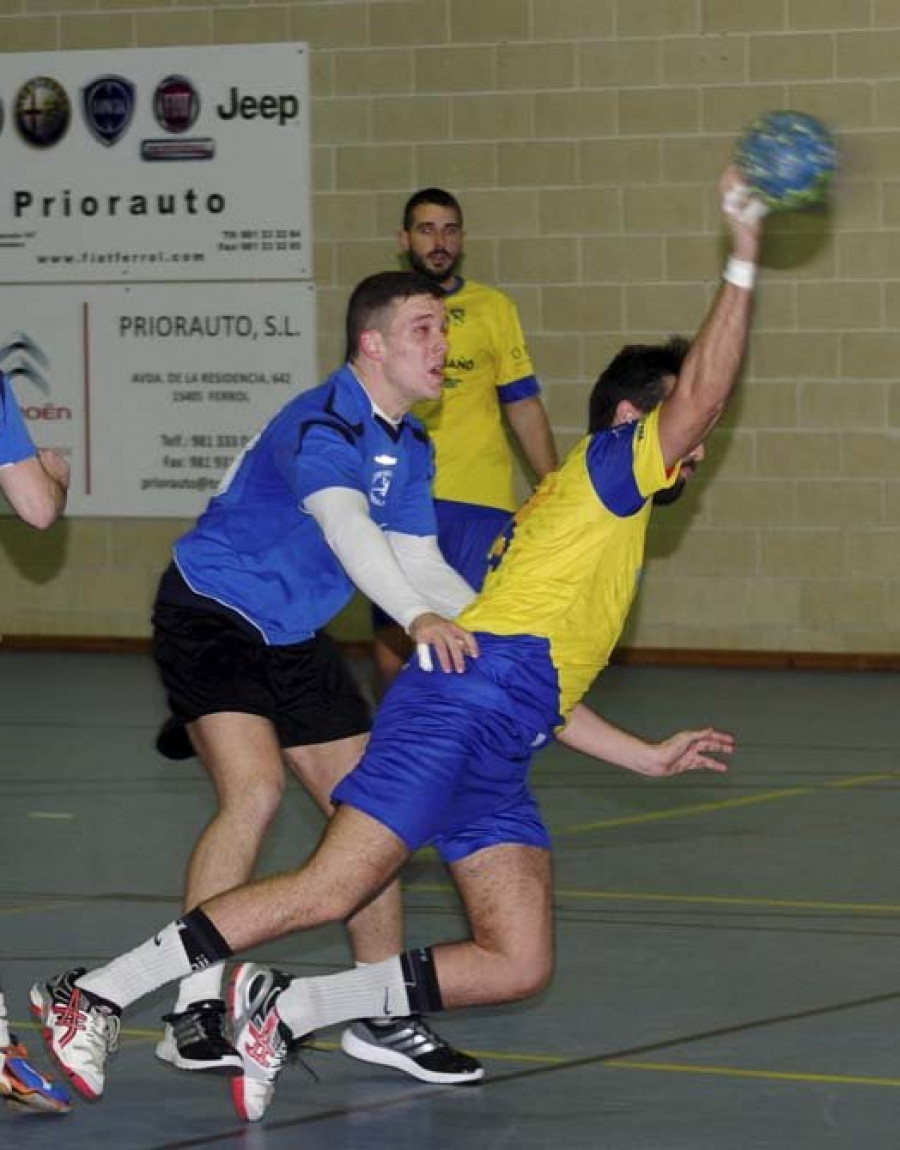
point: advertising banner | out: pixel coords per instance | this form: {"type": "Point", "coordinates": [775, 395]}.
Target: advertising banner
{"type": "Point", "coordinates": [156, 302]}
{"type": "Point", "coordinates": [152, 390]}
{"type": "Point", "coordinates": [155, 164]}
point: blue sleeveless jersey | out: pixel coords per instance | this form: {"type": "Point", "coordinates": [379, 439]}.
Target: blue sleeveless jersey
{"type": "Point", "coordinates": [258, 552]}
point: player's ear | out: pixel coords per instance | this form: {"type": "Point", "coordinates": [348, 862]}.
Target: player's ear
{"type": "Point", "coordinates": [403, 239]}
{"type": "Point", "coordinates": [626, 412]}
{"type": "Point", "coordinates": [371, 343]}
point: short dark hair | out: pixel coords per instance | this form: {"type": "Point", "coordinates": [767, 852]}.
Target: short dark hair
{"type": "Point", "coordinates": [429, 196]}
{"type": "Point", "coordinates": [638, 373]}
{"type": "Point", "coordinates": [373, 296]}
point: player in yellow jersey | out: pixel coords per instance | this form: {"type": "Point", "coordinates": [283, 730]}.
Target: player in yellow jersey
{"type": "Point", "coordinates": [449, 756]}
{"type": "Point", "coordinates": [489, 387]}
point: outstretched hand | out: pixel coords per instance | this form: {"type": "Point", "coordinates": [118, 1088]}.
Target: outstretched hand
{"type": "Point", "coordinates": [689, 751]}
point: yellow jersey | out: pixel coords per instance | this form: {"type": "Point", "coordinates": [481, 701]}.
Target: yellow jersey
{"type": "Point", "coordinates": [487, 365]}
{"type": "Point", "coordinates": [567, 567]}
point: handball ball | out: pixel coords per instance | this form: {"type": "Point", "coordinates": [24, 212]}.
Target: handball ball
{"type": "Point", "coordinates": [788, 159]}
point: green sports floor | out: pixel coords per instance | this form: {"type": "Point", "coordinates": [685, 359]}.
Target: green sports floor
{"type": "Point", "coordinates": [729, 947]}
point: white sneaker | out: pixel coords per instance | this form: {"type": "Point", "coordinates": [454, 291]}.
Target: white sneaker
{"type": "Point", "coordinates": [260, 1037]}
{"type": "Point", "coordinates": [409, 1044]}
{"type": "Point", "coordinates": [80, 1029]}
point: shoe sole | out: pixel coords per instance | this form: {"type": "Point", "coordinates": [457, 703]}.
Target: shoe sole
{"type": "Point", "coordinates": [378, 1056]}
{"type": "Point", "coordinates": [21, 1096]}
{"type": "Point", "coordinates": [41, 1009]}
{"type": "Point", "coordinates": [194, 1066]}
{"type": "Point", "coordinates": [36, 1103]}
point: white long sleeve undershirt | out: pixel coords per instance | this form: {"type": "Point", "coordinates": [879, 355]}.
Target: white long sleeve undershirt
{"type": "Point", "coordinates": [405, 575]}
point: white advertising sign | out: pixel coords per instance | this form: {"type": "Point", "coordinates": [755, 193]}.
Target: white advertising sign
{"type": "Point", "coordinates": [156, 303]}
{"type": "Point", "coordinates": [155, 164]}
{"type": "Point", "coordinates": [151, 390]}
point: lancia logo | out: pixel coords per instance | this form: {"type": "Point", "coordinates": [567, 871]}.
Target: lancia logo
{"type": "Point", "coordinates": [108, 106]}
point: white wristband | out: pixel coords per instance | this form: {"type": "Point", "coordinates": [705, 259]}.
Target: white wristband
{"type": "Point", "coordinates": [741, 273]}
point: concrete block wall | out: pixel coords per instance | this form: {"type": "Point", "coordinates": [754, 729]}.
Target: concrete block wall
{"type": "Point", "coordinates": [584, 138]}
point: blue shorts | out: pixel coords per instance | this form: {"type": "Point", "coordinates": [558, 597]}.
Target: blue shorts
{"type": "Point", "coordinates": [448, 760]}
{"type": "Point", "coordinates": [466, 533]}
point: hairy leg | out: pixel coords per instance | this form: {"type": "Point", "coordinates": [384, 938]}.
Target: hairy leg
{"type": "Point", "coordinates": [356, 858]}
{"type": "Point", "coordinates": [376, 930]}
{"type": "Point", "coordinates": [508, 895]}
{"type": "Point", "coordinates": [241, 754]}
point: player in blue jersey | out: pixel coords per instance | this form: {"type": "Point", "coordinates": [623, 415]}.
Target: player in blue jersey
{"type": "Point", "coordinates": [449, 755]}
{"type": "Point", "coordinates": [35, 483]}
{"type": "Point", "coordinates": [333, 494]}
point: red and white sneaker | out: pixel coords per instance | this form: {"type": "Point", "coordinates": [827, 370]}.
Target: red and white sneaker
{"type": "Point", "coordinates": [80, 1029]}
{"type": "Point", "coordinates": [262, 1040]}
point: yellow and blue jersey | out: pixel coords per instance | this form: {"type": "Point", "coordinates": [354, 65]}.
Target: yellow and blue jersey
{"type": "Point", "coordinates": [449, 755]}
{"type": "Point", "coordinates": [566, 569]}
{"type": "Point", "coordinates": [487, 365]}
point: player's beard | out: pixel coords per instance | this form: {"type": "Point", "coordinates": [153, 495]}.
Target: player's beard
{"type": "Point", "coordinates": [418, 264]}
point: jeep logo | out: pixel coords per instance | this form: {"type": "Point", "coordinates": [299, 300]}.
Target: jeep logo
{"type": "Point", "coordinates": [280, 108]}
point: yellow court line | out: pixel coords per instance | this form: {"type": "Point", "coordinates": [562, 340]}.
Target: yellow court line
{"type": "Point", "coordinates": [40, 906]}
{"type": "Point", "coordinates": [863, 780]}
{"type": "Point", "coordinates": [689, 899]}
{"type": "Point", "coordinates": [522, 1058]}
{"type": "Point", "coordinates": [732, 1072]}
{"type": "Point", "coordinates": [729, 900]}
{"type": "Point", "coordinates": [680, 812]}
{"type": "Point", "coordinates": [727, 804]}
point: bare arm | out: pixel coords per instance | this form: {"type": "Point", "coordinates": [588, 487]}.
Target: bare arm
{"type": "Point", "coordinates": [711, 368]}
{"type": "Point", "coordinates": [531, 427]}
{"type": "Point", "coordinates": [36, 488]}
{"type": "Point", "coordinates": [592, 735]}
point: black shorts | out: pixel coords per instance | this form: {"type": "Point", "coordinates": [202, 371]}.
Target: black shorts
{"type": "Point", "coordinates": [210, 662]}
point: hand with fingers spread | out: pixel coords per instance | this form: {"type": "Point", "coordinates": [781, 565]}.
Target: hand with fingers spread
{"type": "Point", "coordinates": [689, 751]}
{"type": "Point", "coordinates": [451, 643]}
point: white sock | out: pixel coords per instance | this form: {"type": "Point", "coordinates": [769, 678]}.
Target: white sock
{"type": "Point", "coordinates": [155, 962]}
{"type": "Point", "coordinates": [5, 1039]}
{"type": "Point", "coordinates": [380, 1019]}
{"type": "Point", "coordinates": [199, 986]}
{"type": "Point", "coordinates": [376, 990]}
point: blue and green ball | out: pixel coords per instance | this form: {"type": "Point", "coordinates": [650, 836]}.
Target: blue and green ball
{"type": "Point", "coordinates": [789, 159]}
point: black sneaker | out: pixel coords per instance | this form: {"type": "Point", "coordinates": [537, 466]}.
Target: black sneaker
{"type": "Point", "coordinates": [410, 1045]}
{"type": "Point", "coordinates": [194, 1039]}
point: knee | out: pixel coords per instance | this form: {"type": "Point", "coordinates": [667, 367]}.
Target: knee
{"type": "Point", "coordinates": [256, 805]}
{"type": "Point", "coordinates": [532, 980]}
{"type": "Point", "coordinates": [528, 972]}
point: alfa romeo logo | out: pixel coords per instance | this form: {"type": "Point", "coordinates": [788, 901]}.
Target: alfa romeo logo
{"type": "Point", "coordinates": [42, 112]}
